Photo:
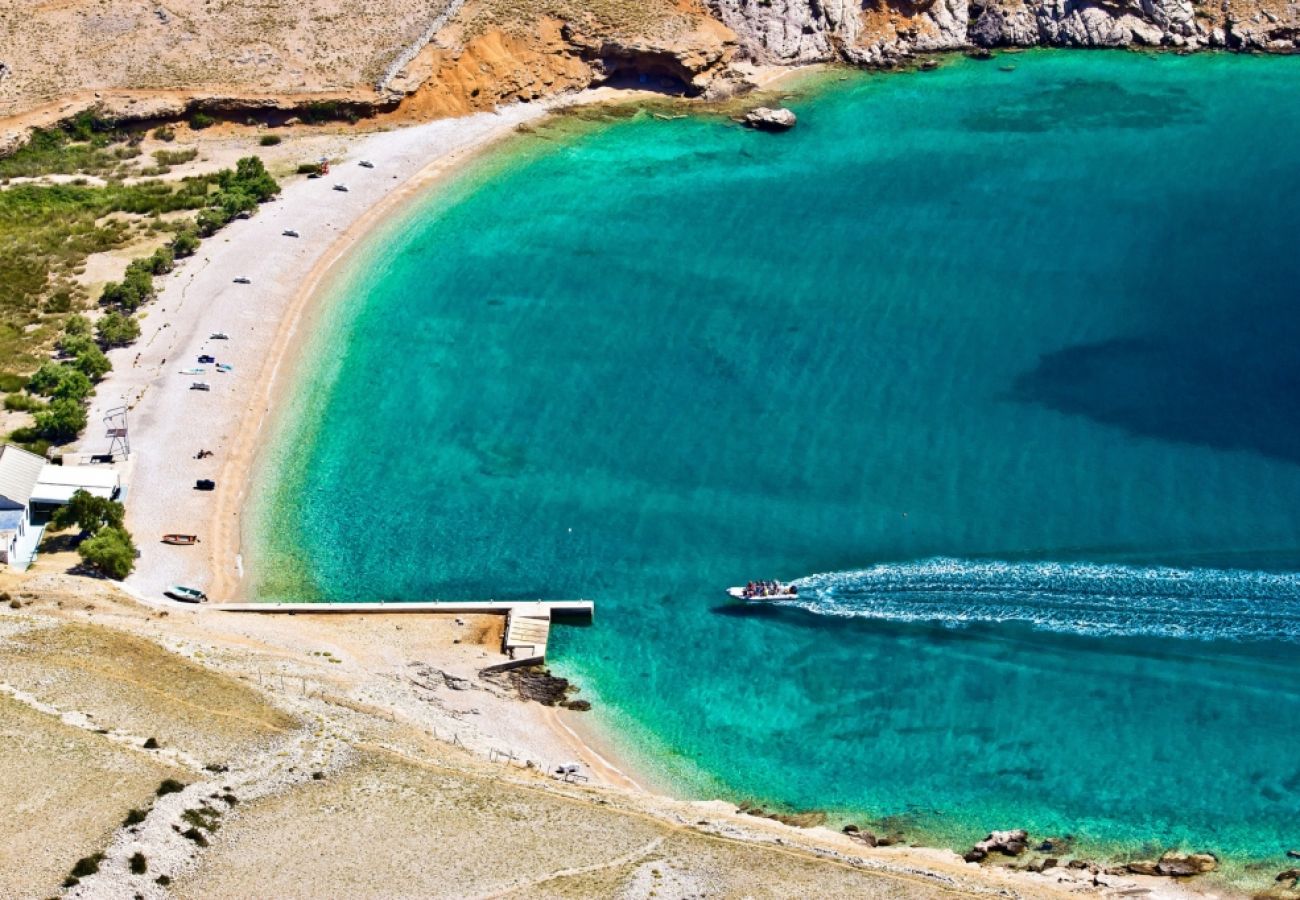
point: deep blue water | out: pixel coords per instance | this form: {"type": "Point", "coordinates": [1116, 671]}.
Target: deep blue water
{"type": "Point", "coordinates": [1002, 364]}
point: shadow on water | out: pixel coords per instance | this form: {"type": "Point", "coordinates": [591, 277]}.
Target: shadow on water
{"type": "Point", "coordinates": [1084, 104]}
{"type": "Point", "coordinates": [1238, 395]}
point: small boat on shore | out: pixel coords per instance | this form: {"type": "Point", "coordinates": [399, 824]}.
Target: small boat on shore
{"type": "Point", "coordinates": [186, 594]}
{"type": "Point", "coordinates": [759, 591]}
{"type": "Point", "coordinates": [219, 336]}
{"type": "Point", "coordinates": [180, 540]}
{"type": "Point", "coordinates": [366, 164]}
{"type": "Point", "coordinates": [200, 386]}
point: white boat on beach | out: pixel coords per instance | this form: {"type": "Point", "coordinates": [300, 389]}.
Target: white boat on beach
{"type": "Point", "coordinates": [762, 591]}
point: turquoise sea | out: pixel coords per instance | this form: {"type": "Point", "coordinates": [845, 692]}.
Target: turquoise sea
{"type": "Point", "coordinates": [1004, 366]}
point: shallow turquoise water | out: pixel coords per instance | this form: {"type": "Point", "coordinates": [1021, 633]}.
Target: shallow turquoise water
{"type": "Point", "coordinates": [1006, 360]}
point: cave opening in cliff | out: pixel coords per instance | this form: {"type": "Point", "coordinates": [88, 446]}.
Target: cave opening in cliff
{"type": "Point", "coordinates": [646, 76]}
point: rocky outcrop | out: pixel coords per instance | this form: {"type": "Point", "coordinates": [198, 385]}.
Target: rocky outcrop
{"type": "Point", "coordinates": [886, 32]}
{"type": "Point", "coordinates": [1008, 843]}
{"type": "Point", "coordinates": [767, 119]}
{"type": "Point", "coordinates": [1175, 865]}
{"type": "Point", "coordinates": [695, 63]}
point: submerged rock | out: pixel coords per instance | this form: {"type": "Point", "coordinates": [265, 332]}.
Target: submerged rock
{"type": "Point", "coordinates": [767, 119]}
{"type": "Point", "coordinates": [1008, 843]}
{"type": "Point", "coordinates": [1179, 866]}
{"type": "Point", "coordinates": [1175, 865]}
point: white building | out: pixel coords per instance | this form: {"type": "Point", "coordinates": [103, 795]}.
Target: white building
{"type": "Point", "coordinates": [19, 472]}
{"type": "Point", "coordinates": [31, 489]}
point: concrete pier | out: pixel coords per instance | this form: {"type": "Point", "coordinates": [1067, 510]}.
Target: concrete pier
{"type": "Point", "coordinates": [528, 623]}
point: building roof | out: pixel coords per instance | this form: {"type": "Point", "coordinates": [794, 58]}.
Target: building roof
{"type": "Point", "coordinates": [57, 484]}
{"type": "Point", "coordinates": [19, 471]}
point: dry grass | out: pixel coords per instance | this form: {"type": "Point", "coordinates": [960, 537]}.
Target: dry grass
{"type": "Point", "coordinates": [131, 684]}
{"type": "Point", "coordinates": [659, 18]}
{"type": "Point", "coordinates": [389, 828]}
{"type": "Point", "coordinates": [66, 790]}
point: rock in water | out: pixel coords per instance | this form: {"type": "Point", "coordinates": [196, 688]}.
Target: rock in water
{"type": "Point", "coordinates": [1177, 865]}
{"type": "Point", "coordinates": [767, 119]}
{"type": "Point", "coordinates": [1009, 843]}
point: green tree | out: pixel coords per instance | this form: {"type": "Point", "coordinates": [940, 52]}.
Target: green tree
{"type": "Point", "coordinates": [184, 244]}
{"type": "Point", "coordinates": [74, 344]}
{"type": "Point", "coordinates": [89, 513]}
{"type": "Point", "coordinates": [59, 380]}
{"type": "Point", "coordinates": [162, 261]}
{"type": "Point", "coordinates": [251, 175]}
{"type": "Point", "coordinates": [45, 379]}
{"type": "Point", "coordinates": [76, 326]}
{"type": "Point", "coordinates": [61, 421]}
{"type": "Point", "coordinates": [134, 289]}
{"type": "Point", "coordinates": [111, 551]}
{"type": "Point", "coordinates": [117, 329]}
{"type": "Point", "coordinates": [74, 385]}
{"type": "Point", "coordinates": [210, 221]}
{"type": "Point", "coordinates": [93, 363]}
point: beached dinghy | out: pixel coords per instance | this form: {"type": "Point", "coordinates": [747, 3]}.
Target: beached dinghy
{"type": "Point", "coordinates": [186, 594]}
{"type": "Point", "coordinates": [180, 540]}
{"type": "Point", "coordinates": [759, 591]}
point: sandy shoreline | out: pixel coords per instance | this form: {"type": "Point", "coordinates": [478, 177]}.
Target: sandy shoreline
{"type": "Point", "coordinates": [268, 322]}
{"type": "Point", "coordinates": [169, 423]}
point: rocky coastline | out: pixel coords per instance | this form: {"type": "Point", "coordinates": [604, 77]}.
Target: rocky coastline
{"type": "Point", "coordinates": [886, 33]}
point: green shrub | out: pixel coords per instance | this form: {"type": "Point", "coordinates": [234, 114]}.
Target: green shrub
{"type": "Point", "coordinates": [89, 513]}
{"type": "Point", "coordinates": [60, 381]}
{"type": "Point", "coordinates": [184, 244]}
{"type": "Point", "coordinates": [175, 157]}
{"type": "Point", "coordinates": [162, 261]}
{"type": "Point", "coordinates": [61, 421]}
{"type": "Point", "coordinates": [165, 133]}
{"type": "Point", "coordinates": [134, 817]}
{"type": "Point", "coordinates": [117, 329]}
{"type": "Point", "coordinates": [11, 382]}
{"type": "Point", "coordinates": [76, 325]}
{"type": "Point", "coordinates": [269, 140]}
{"type": "Point", "coordinates": [309, 168]}
{"type": "Point", "coordinates": [139, 865]}
{"type": "Point", "coordinates": [201, 120]}
{"type": "Point", "coordinates": [87, 865]}
{"type": "Point", "coordinates": [196, 836]}
{"type": "Point", "coordinates": [93, 363]}
{"type": "Point", "coordinates": [22, 403]}
{"type": "Point", "coordinates": [170, 786]}
{"type": "Point", "coordinates": [133, 290]}
{"type": "Point", "coordinates": [111, 551]}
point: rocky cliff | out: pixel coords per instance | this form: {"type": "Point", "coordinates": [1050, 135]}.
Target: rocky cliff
{"type": "Point", "coordinates": [884, 31]}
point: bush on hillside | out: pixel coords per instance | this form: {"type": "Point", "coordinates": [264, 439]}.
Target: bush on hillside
{"type": "Point", "coordinates": [117, 329]}
{"type": "Point", "coordinates": [61, 421]}
{"type": "Point", "coordinates": [110, 551]}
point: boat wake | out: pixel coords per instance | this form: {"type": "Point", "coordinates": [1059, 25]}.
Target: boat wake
{"type": "Point", "coordinates": [1078, 598]}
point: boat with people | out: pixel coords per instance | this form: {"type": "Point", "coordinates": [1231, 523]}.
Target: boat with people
{"type": "Point", "coordinates": [765, 590]}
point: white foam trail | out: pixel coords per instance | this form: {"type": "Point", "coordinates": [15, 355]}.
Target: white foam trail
{"type": "Point", "coordinates": [1079, 598]}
